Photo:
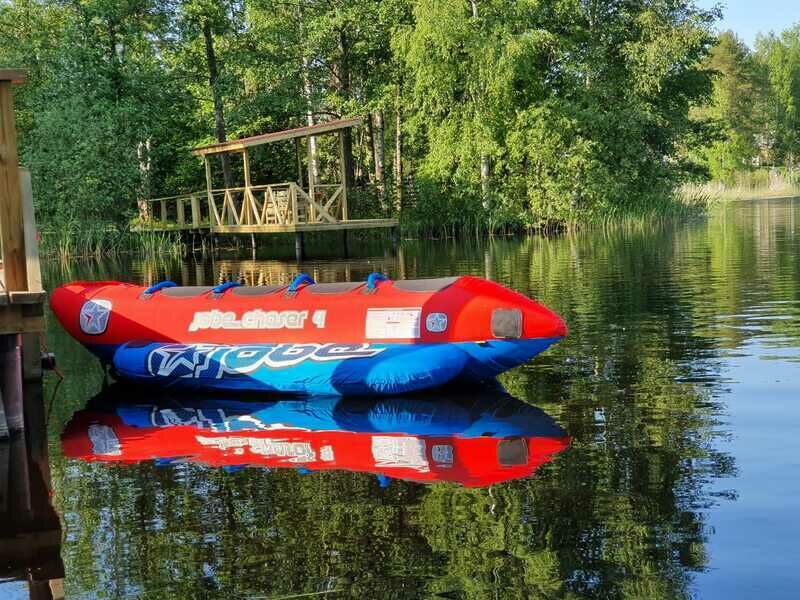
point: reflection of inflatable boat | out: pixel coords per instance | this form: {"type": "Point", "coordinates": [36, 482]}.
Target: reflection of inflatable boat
{"type": "Point", "coordinates": [474, 442]}
{"type": "Point", "coordinates": [378, 337]}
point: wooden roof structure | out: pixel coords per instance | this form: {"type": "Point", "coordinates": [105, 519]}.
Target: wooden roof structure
{"type": "Point", "coordinates": [276, 136]}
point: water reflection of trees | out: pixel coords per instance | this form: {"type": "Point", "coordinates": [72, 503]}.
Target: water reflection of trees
{"type": "Point", "coordinates": [619, 515]}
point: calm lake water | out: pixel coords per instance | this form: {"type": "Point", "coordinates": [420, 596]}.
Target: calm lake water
{"type": "Point", "coordinates": [678, 388]}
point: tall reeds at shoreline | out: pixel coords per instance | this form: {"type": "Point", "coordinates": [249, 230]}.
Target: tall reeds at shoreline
{"type": "Point", "coordinates": [748, 185]}
{"type": "Point", "coordinates": [72, 240]}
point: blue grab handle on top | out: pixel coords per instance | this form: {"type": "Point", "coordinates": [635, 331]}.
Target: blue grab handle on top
{"type": "Point", "coordinates": [223, 287]}
{"type": "Point", "coordinates": [160, 286]}
{"type": "Point", "coordinates": [374, 278]}
{"type": "Point", "coordinates": [300, 280]}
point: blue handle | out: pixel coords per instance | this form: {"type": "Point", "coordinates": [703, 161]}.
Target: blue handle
{"type": "Point", "coordinates": [300, 280]}
{"type": "Point", "coordinates": [160, 286]}
{"type": "Point", "coordinates": [223, 287]}
{"type": "Point", "coordinates": [374, 278]}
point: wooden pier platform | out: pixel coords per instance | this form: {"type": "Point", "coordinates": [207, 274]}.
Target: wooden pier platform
{"type": "Point", "coordinates": [305, 205]}
{"type": "Point", "coordinates": [21, 295]}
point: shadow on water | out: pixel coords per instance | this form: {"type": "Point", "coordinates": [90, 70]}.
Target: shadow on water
{"type": "Point", "coordinates": [30, 530]}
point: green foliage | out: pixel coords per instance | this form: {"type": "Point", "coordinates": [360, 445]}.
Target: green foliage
{"type": "Point", "coordinates": [754, 114]}
{"type": "Point", "coordinates": [509, 113]}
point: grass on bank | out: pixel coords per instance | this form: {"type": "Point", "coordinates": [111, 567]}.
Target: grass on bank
{"type": "Point", "coordinates": [749, 185]}
{"type": "Point", "coordinates": [73, 240]}
{"type": "Point", "coordinates": [95, 240]}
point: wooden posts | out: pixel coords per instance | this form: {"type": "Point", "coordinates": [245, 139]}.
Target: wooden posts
{"type": "Point", "coordinates": [32, 268]}
{"type": "Point", "coordinates": [181, 212]}
{"type": "Point", "coordinates": [209, 188]}
{"type": "Point", "coordinates": [11, 217]}
{"type": "Point", "coordinates": [247, 194]}
{"type": "Point", "coordinates": [21, 298]}
{"type": "Point", "coordinates": [299, 246]}
{"type": "Point", "coordinates": [299, 162]}
{"type": "Point", "coordinates": [195, 212]}
{"type": "Point", "coordinates": [293, 200]}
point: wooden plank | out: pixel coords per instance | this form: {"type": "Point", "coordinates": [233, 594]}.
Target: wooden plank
{"type": "Point", "coordinates": [293, 200]}
{"type": "Point", "coordinates": [276, 136]}
{"type": "Point", "coordinates": [16, 319]}
{"type": "Point", "coordinates": [32, 266]}
{"type": "Point", "coordinates": [15, 76]}
{"type": "Point", "coordinates": [299, 162]}
{"type": "Point", "coordinates": [11, 217]}
{"type": "Point", "coordinates": [27, 297]}
{"type": "Point", "coordinates": [31, 357]}
{"type": "Point", "coordinates": [195, 212]}
{"type": "Point", "coordinates": [232, 212]}
{"type": "Point", "coordinates": [293, 228]}
{"type": "Point", "coordinates": [163, 211]}
{"type": "Point", "coordinates": [181, 213]}
{"type": "Point", "coordinates": [212, 209]}
{"type": "Point", "coordinates": [322, 212]}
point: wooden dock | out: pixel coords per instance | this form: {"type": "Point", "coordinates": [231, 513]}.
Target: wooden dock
{"type": "Point", "coordinates": [21, 295]}
{"type": "Point", "coordinates": [30, 531]}
{"type": "Point", "coordinates": [305, 205]}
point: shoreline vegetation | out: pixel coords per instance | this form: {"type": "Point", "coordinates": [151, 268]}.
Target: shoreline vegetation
{"type": "Point", "coordinates": [745, 186]}
{"type": "Point", "coordinates": [480, 118]}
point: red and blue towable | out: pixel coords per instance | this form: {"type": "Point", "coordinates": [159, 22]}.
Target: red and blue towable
{"type": "Point", "coordinates": [353, 338]}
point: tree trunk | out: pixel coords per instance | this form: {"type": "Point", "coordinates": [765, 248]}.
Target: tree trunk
{"type": "Point", "coordinates": [219, 116]}
{"type": "Point", "coordinates": [370, 166]}
{"type": "Point", "coordinates": [485, 192]}
{"type": "Point", "coordinates": [398, 156]}
{"type": "Point", "coordinates": [380, 178]}
{"type": "Point", "coordinates": [143, 155]}
{"type": "Point", "coordinates": [485, 166]}
{"type": "Point", "coordinates": [344, 90]}
{"type": "Point", "coordinates": [313, 152]}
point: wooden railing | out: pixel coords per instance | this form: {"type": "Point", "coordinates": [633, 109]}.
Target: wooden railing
{"type": "Point", "coordinates": [268, 206]}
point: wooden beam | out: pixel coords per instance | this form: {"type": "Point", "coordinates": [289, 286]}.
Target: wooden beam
{"type": "Point", "coordinates": [247, 197]}
{"type": "Point", "coordinates": [293, 200]}
{"type": "Point", "coordinates": [33, 268]}
{"type": "Point", "coordinates": [11, 218]}
{"type": "Point", "coordinates": [15, 76]}
{"type": "Point", "coordinates": [343, 171]}
{"type": "Point", "coordinates": [212, 210]}
{"type": "Point", "coordinates": [181, 212]}
{"type": "Point", "coordinates": [195, 212]}
{"type": "Point", "coordinates": [291, 227]}
{"type": "Point", "coordinates": [246, 159]}
{"type": "Point", "coordinates": [299, 162]}
{"type": "Point", "coordinates": [277, 136]}
{"type": "Point", "coordinates": [21, 318]}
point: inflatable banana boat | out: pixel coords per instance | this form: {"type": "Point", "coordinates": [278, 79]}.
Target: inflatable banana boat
{"type": "Point", "coordinates": [354, 338]}
{"type": "Point", "coordinates": [476, 441]}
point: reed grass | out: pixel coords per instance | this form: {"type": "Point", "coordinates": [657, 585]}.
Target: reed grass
{"type": "Point", "coordinates": [763, 183]}
{"type": "Point", "coordinates": [71, 239]}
